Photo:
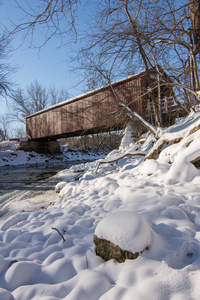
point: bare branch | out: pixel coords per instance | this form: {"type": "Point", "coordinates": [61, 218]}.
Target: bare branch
{"type": "Point", "coordinates": [59, 233]}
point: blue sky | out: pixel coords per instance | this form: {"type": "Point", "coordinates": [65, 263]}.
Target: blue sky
{"type": "Point", "coordinates": [49, 65]}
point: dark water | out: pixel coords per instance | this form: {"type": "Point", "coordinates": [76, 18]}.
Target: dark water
{"type": "Point", "coordinates": [26, 184]}
{"type": "Point", "coordinates": [23, 178]}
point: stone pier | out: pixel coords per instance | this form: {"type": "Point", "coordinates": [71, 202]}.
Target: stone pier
{"type": "Point", "coordinates": [42, 146]}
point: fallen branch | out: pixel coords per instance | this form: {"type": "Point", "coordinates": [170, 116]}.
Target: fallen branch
{"type": "Point", "coordinates": [196, 128]}
{"type": "Point", "coordinates": [59, 233]}
{"type": "Point", "coordinates": [116, 159]}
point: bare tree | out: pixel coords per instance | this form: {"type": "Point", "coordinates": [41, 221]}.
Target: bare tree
{"type": "Point", "coordinates": [18, 131]}
{"type": "Point", "coordinates": [26, 103]}
{"type": "Point", "coordinates": [33, 99]}
{"type": "Point", "coordinates": [180, 59]}
{"type": "Point", "coordinates": [5, 68]}
{"type": "Point", "coordinates": [127, 36]}
{"type": "Point", "coordinates": [195, 20]}
{"type": "Point", "coordinates": [53, 17]}
{"type": "Point", "coordinates": [4, 127]}
{"type": "Point", "coordinates": [124, 44]}
{"type": "Point", "coordinates": [57, 96]}
{"type": "Point", "coordinates": [150, 35]}
{"type": "Point", "coordinates": [37, 97]}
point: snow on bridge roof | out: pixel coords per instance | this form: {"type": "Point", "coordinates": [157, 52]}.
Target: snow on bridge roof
{"type": "Point", "coordinates": [76, 98]}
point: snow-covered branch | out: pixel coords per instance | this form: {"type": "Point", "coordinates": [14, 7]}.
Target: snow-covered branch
{"type": "Point", "coordinates": [134, 114]}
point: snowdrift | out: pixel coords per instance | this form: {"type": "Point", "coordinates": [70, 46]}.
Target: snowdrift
{"type": "Point", "coordinates": [36, 263]}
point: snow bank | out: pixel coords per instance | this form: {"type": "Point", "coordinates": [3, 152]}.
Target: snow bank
{"type": "Point", "coordinates": [11, 156]}
{"type": "Point", "coordinates": [35, 263]}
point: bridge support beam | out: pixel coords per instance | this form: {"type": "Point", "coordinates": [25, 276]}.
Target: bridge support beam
{"type": "Point", "coordinates": [42, 146]}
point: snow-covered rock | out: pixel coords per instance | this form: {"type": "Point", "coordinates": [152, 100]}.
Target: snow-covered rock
{"type": "Point", "coordinates": [108, 250]}
{"type": "Point", "coordinates": [127, 230]}
{"type": "Point", "coordinates": [59, 186]}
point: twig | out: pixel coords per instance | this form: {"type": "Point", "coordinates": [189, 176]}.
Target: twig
{"type": "Point", "coordinates": [59, 233]}
{"type": "Point", "coordinates": [12, 262]}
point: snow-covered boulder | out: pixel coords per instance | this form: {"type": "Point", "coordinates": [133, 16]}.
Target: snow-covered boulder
{"type": "Point", "coordinates": [122, 235]}
{"type": "Point", "coordinates": [59, 186]}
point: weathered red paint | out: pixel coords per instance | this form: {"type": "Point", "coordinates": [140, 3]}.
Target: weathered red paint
{"type": "Point", "coordinates": [91, 112]}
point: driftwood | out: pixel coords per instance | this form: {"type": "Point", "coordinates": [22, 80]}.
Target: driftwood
{"type": "Point", "coordinates": [194, 129]}
{"type": "Point", "coordinates": [152, 154]}
{"type": "Point", "coordinates": [155, 152]}
{"type": "Point", "coordinates": [116, 159]}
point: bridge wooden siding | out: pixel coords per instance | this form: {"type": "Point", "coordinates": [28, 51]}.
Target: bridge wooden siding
{"type": "Point", "coordinates": [92, 112]}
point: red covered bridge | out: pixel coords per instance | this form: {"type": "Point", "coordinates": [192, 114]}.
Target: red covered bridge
{"type": "Point", "coordinates": [98, 110]}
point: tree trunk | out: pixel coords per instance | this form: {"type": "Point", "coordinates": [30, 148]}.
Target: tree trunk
{"type": "Point", "coordinates": [195, 20]}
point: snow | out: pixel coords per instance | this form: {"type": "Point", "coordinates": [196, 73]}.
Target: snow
{"type": "Point", "coordinates": [60, 185]}
{"type": "Point", "coordinates": [126, 139]}
{"type": "Point", "coordinates": [11, 156]}
{"type": "Point", "coordinates": [155, 202]}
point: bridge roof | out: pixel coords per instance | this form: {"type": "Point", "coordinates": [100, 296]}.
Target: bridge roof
{"type": "Point", "coordinates": [76, 98]}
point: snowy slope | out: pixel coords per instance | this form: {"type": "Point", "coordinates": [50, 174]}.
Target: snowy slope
{"type": "Point", "coordinates": [49, 254]}
{"type": "Point", "coordinates": [11, 156]}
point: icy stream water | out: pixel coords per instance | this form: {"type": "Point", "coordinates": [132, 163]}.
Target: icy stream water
{"type": "Point", "coordinates": [23, 178]}
{"type": "Point", "coordinates": [28, 188]}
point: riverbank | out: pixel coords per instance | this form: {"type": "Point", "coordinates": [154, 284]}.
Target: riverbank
{"type": "Point", "coordinates": [50, 254]}
{"type": "Point", "coordinates": [24, 193]}
{"type": "Point", "coordinates": [11, 156]}
{"type": "Point", "coordinates": [27, 179]}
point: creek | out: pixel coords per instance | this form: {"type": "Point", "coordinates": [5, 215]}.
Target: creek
{"type": "Point", "coordinates": [29, 188]}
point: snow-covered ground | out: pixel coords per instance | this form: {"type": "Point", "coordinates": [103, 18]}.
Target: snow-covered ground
{"type": "Point", "coordinates": [49, 254]}
{"type": "Point", "coordinates": [11, 156]}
